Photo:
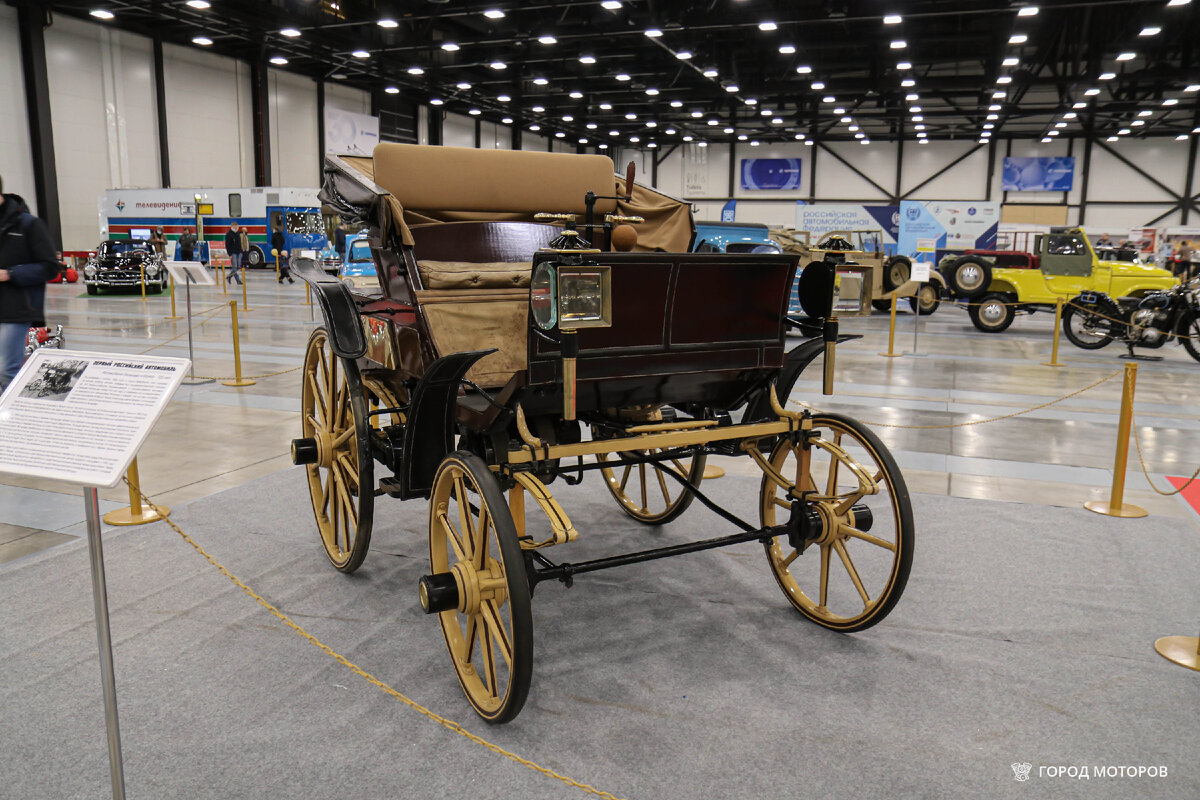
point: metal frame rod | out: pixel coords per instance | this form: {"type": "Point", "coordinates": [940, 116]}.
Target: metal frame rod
{"type": "Point", "coordinates": [104, 640]}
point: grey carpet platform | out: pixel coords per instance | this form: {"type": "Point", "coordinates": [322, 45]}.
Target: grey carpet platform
{"type": "Point", "coordinates": [1025, 635]}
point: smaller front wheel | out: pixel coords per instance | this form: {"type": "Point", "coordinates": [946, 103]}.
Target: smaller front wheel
{"type": "Point", "coordinates": [993, 313]}
{"type": "Point", "coordinates": [927, 300]}
{"type": "Point", "coordinates": [897, 272]}
{"type": "Point", "coordinates": [1189, 331]}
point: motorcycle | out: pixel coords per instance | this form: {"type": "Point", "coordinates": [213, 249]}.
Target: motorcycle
{"type": "Point", "coordinates": [1093, 319]}
{"type": "Point", "coordinates": [38, 338]}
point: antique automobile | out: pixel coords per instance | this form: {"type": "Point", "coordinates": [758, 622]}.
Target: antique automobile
{"type": "Point", "coordinates": [358, 270]}
{"type": "Point", "coordinates": [734, 237]}
{"type": "Point", "coordinates": [1093, 320]}
{"type": "Point", "coordinates": [536, 318]}
{"type": "Point", "coordinates": [863, 265]}
{"type": "Point", "coordinates": [1058, 265]}
{"type": "Point", "coordinates": [124, 264]}
{"type": "Point", "coordinates": [43, 336]}
{"type": "Point", "coordinates": [330, 259]}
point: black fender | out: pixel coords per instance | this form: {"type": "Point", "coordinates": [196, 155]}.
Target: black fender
{"type": "Point", "coordinates": [430, 427]}
{"type": "Point", "coordinates": [342, 320]}
{"type": "Point", "coordinates": [794, 363]}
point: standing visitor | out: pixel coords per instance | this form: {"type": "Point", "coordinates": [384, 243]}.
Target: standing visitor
{"type": "Point", "coordinates": [158, 240]}
{"type": "Point", "coordinates": [187, 244]}
{"type": "Point", "coordinates": [339, 240]}
{"type": "Point", "coordinates": [1183, 261]}
{"type": "Point", "coordinates": [233, 248]}
{"type": "Point", "coordinates": [26, 262]}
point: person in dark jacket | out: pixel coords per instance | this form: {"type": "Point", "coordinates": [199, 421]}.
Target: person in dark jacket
{"type": "Point", "coordinates": [278, 243]}
{"type": "Point", "coordinates": [27, 261]}
{"type": "Point", "coordinates": [339, 240]}
{"type": "Point", "coordinates": [187, 244]}
{"type": "Point", "coordinates": [233, 248]}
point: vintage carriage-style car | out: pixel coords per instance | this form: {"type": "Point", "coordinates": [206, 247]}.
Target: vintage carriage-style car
{"type": "Point", "coordinates": [536, 318]}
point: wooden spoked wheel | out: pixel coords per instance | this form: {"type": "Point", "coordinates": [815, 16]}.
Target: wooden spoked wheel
{"type": "Point", "coordinates": [341, 482]}
{"type": "Point", "coordinates": [849, 576]}
{"type": "Point", "coordinates": [490, 633]}
{"type": "Point", "coordinates": [646, 493]}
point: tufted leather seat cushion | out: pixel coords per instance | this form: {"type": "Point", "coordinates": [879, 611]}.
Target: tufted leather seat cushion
{"type": "Point", "coordinates": [469, 275]}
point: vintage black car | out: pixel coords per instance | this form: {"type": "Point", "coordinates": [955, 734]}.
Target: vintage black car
{"type": "Point", "coordinates": [124, 263]}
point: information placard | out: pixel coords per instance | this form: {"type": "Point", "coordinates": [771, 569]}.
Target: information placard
{"type": "Point", "coordinates": [81, 417]}
{"type": "Point", "coordinates": [199, 274]}
{"type": "Point", "coordinates": [920, 271]}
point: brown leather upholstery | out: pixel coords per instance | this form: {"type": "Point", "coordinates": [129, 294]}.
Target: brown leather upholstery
{"type": "Point", "coordinates": [437, 178]}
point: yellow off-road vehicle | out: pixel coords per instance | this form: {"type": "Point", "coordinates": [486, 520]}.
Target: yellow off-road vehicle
{"type": "Point", "coordinates": [999, 284]}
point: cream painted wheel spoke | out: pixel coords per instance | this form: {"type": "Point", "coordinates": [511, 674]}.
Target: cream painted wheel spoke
{"type": "Point", "coordinates": [349, 473]}
{"type": "Point", "coordinates": [468, 639]}
{"type": "Point", "coordinates": [465, 518]}
{"type": "Point", "coordinates": [319, 402]}
{"type": "Point", "coordinates": [785, 563]}
{"type": "Point", "coordinates": [642, 477]}
{"type": "Point", "coordinates": [662, 484]}
{"type": "Point", "coordinates": [479, 549]}
{"type": "Point", "coordinates": [782, 503]}
{"type": "Point", "coordinates": [625, 476]}
{"type": "Point", "coordinates": [848, 530]}
{"type": "Point", "coordinates": [683, 471]}
{"type": "Point", "coordinates": [495, 626]}
{"type": "Point", "coordinates": [343, 437]}
{"type": "Point", "coordinates": [845, 556]}
{"type": "Point", "coordinates": [456, 544]}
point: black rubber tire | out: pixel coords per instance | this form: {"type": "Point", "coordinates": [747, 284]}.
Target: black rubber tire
{"type": "Point", "coordinates": [255, 257]}
{"type": "Point", "coordinates": [982, 313]}
{"type": "Point", "coordinates": [927, 299]}
{"type": "Point", "coordinates": [896, 271]}
{"type": "Point", "coordinates": [902, 518]}
{"type": "Point", "coordinates": [881, 305]}
{"type": "Point", "coordinates": [1190, 330]}
{"type": "Point", "coordinates": [92, 289]}
{"type": "Point", "coordinates": [968, 276]}
{"type": "Point", "coordinates": [1070, 313]}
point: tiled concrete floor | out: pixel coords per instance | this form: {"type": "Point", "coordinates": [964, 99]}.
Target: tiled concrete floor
{"type": "Point", "coordinates": [213, 437]}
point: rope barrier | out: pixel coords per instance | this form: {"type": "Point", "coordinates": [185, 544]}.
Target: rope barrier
{"type": "Point", "coordinates": [368, 677]}
{"type": "Point", "coordinates": [1095, 313]}
{"type": "Point", "coordinates": [247, 377]}
{"type": "Point", "coordinates": [980, 421]}
{"type": "Point", "coordinates": [211, 312]}
{"type": "Point", "coordinates": [1137, 440]}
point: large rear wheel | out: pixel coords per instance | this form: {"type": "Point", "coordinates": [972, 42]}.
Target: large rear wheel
{"type": "Point", "coordinates": [341, 476]}
{"type": "Point", "coordinates": [1085, 328]}
{"type": "Point", "coordinates": [1189, 331]}
{"type": "Point", "coordinates": [473, 548]}
{"type": "Point", "coordinates": [852, 571]}
{"type": "Point", "coordinates": [647, 493]}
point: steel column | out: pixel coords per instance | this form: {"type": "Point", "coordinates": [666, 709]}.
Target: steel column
{"type": "Point", "coordinates": [320, 130]}
{"type": "Point", "coordinates": [1087, 169]}
{"type": "Point", "coordinates": [1191, 171]}
{"type": "Point", "coordinates": [478, 133]}
{"type": "Point", "coordinates": [160, 101]}
{"type": "Point", "coordinates": [433, 123]}
{"type": "Point", "coordinates": [515, 131]}
{"type": "Point", "coordinates": [31, 21]}
{"type": "Point", "coordinates": [260, 117]}
{"type": "Point", "coordinates": [732, 169]}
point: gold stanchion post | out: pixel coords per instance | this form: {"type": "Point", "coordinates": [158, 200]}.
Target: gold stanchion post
{"type": "Point", "coordinates": [1183, 650]}
{"type": "Point", "coordinates": [136, 514]}
{"type": "Point", "coordinates": [245, 280]}
{"type": "Point", "coordinates": [307, 294]}
{"type": "Point", "coordinates": [142, 271]}
{"type": "Point", "coordinates": [891, 353]}
{"type": "Point", "coordinates": [1058, 308]}
{"type": "Point", "coordinates": [712, 471]}
{"type": "Point", "coordinates": [224, 280]}
{"type": "Point", "coordinates": [1116, 505]}
{"type": "Point", "coordinates": [237, 352]}
{"type": "Point", "coordinates": [173, 314]}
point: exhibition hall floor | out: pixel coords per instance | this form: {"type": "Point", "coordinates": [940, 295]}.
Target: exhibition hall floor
{"type": "Point", "coordinates": [1025, 636]}
{"type": "Point", "coordinates": [214, 437]}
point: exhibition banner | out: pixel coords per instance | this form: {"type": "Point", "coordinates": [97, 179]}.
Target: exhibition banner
{"type": "Point", "coordinates": [729, 211]}
{"type": "Point", "coordinates": [347, 132]}
{"type": "Point", "coordinates": [822, 218]}
{"type": "Point", "coordinates": [951, 225]}
{"type": "Point", "coordinates": [770, 173]}
{"type": "Point", "coordinates": [1039, 174]}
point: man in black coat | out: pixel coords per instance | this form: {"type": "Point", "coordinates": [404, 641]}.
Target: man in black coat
{"type": "Point", "coordinates": [233, 248]}
{"type": "Point", "coordinates": [27, 261]}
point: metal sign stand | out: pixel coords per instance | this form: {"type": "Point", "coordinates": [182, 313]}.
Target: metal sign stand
{"type": "Point", "coordinates": [104, 639]}
{"type": "Point", "coordinates": [192, 379]}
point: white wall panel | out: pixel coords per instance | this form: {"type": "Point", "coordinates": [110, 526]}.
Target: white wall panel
{"type": "Point", "coordinates": [495, 136]}
{"type": "Point", "coordinates": [16, 160]}
{"type": "Point", "coordinates": [208, 118]}
{"type": "Point", "coordinates": [966, 180]}
{"type": "Point", "coordinates": [294, 144]}
{"type": "Point", "coordinates": [767, 212]}
{"type": "Point", "coordinates": [1120, 218]}
{"type": "Point", "coordinates": [1164, 159]}
{"type": "Point", "coordinates": [836, 181]}
{"type": "Point", "coordinates": [347, 98]}
{"type": "Point", "coordinates": [670, 175]}
{"type": "Point", "coordinates": [531, 141]}
{"type": "Point", "coordinates": [104, 119]}
{"type": "Point", "coordinates": [458, 131]}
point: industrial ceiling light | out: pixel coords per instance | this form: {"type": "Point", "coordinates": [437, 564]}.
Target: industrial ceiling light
{"type": "Point", "coordinates": [1137, 123]}
{"type": "Point", "coordinates": [568, 118]}
{"type": "Point", "coordinates": [987, 126]}
{"type": "Point", "coordinates": [899, 44]}
{"type": "Point", "coordinates": [918, 118]}
{"type": "Point", "coordinates": [908, 82]}
{"type": "Point", "coordinates": [450, 47]}
{"type": "Point", "coordinates": [914, 109]}
{"type": "Point", "coordinates": [701, 144]}
{"type": "Point", "coordinates": [919, 127]}
{"type": "Point", "coordinates": [100, 13]}
{"type": "Point", "coordinates": [291, 33]}
{"type": "Point", "coordinates": [203, 41]}
{"type": "Point", "coordinates": [727, 130]}
{"type": "Point", "coordinates": [538, 109]}
{"type": "Point", "coordinates": [999, 94]}
{"type": "Point", "coordinates": [818, 85]}
{"type": "Point", "coordinates": [992, 117]}
{"type": "Point", "coordinates": [653, 33]}
{"type": "Point", "coordinates": [1107, 76]}
{"type": "Point", "coordinates": [829, 99]}
{"type": "Point", "coordinates": [614, 133]}
{"type": "Point", "coordinates": [602, 146]}
{"type": "Point", "coordinates": [361, 54]}
{"type": "Point", "coordinates": [635, 139]}
{"type": "Point", "coordinates": [462, 85]}
{"type": "Point", "coordinates": [652, 91]}
{"type": "Point", "coordinates": [714, 122]}
{"type": "Point", "coordinates": [413, 71]}
{"type": "Point", "coordinates": [200, 4]}
{"type": "Point", "coordinates": [1170, 101]}
{"type": "Point", "coordinates": [1011, 61]}
{"type": "Point", "coordinates": [547, 39]}
{"type": "Point", "coordinates": [507, 120]}
{"type": "Point", "coordinates": [669, 131]}
{"type": "Point", "coordinates": [437, 101]}
{"type": "Point", "coordinates": [676, 104]}
{"type": "Point", "coordinates": [535, 127]}
{"type": "Point", "coordinates": [560, 135]}
{"type": "Point", "coordinates": [606, 106]}
{"type": "Point", "coordinates": [587, 59]}
{"type": "Point", "coordinates": [611, 5]}
{"type": "Point", "coordinates": [539, 81]}
{"type": "Point", "coordinates": [576, 95]}
{"type": "Point", "coordinates": [1183, 137]}
{"type": "Point", "coordinates": [621, 76]}
{"type": "Point", "coordinates": [1150, 30]}
{"type": "Point", "coordinates": [1194, 87]}
{"type": "Point", "coordinates": [1004, 79]}
{"type": "Point", "coordinates": [839, 110]}
{"type": "Point", "coordinates": [387, 22]}
{"type": "Point", "coordinates": [892, 19]}
{"type": "Point", "coordinates": [582, 140]}
{"type": "Point", "coordinates": [1080, 105]}
{"type": "Point", "coordinates": [994, 107]}
{"type": "Point", "coordinates": [474, 112]}
{"type": "Point", "coordinates": [1145, 113]}
{"type": "Point", "coordinates": [911, 97]}
{"type": "Point", "coordinates": [751, 101]}
{"type": "Point", "coordinates": [777, 121]}
{"type": "Point", "coordinates": [1046, 140]}
{"type": "Point", "coordinates": [651, 124]}
{"type": "Point", "coordinates": [767, 26]}
{"type": "Point", "coordinates": [1126, 56]}
{"type": "Point", "coordinates": [803, 69]}
{"type": "Point", "coordinates": [1018, 38]}
{"type": "Point", "coordinates": [498, 65]}
{"type": "Point", "coordinates": [903, 65]}
{"type": "Point", "coordinates": [731, 88]}
{"type": "Point", "coordinates": [494, 13]}
{"type": "Point", "coordinates": [591, 126]}
{"type": "Point", "coordinates": [503, 98]}
{"type": "Point", "coordinates": [684, 55]}
{"type": "Point", "coordinates": [631, 115]}
{"type": "Point", "coordinates": [1123, 131]}
{"type": "Point", "coordinates": [1177, 3]}
{"type": "Point", "coordinates": [392, 90]}
{"type": "Point", "coordinates": [1092, 92]}
{"type": "Point", "coordinates": [1052, 133]}
{"type": "Point", "coordinates": [1112, 139]}
{"type": "Point", "coordinates": [852, 128]}
{"type": "Point", "coordinates": [278, 60]}
{"type": "Point", "coordinates": [1070, 115]}
{"type": "Point", "coordinates": [787, 49]}
{"type": "Point", "coordinates": [860, 136]}
{"type": "Point", "coordinates": [755, 143]}
{"type": "Point", "coordinates": [846, 119]}
{"type": "Point", "coordinates": [1027, 11]}
{"type": "Point", "coordinates": [711, 73]}
{"type": "Point", "coordinates": [1060, 124]}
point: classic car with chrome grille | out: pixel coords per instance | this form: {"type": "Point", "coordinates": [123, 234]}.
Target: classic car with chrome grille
{"type": "Point", "coordinates": [124, 264]}
{"type": "Point", "coordinates": [537, 318]}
